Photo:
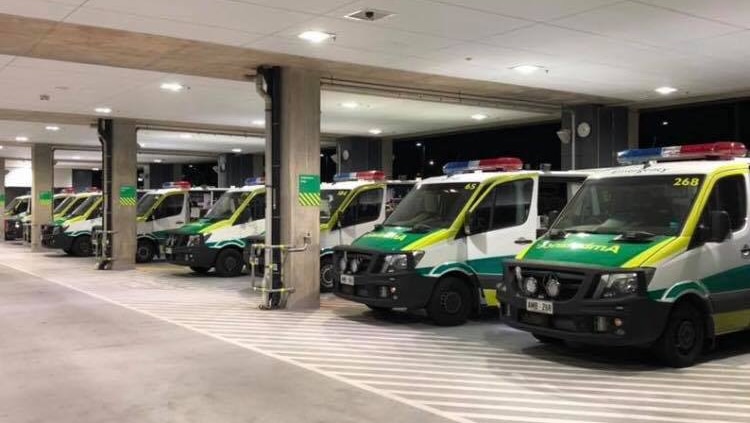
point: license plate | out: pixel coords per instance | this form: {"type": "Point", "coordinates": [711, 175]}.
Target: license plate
{"type": "Point", "coordinates": [538, 306]}
{"type": "Point", "coordinates": [347, 280]}
{"type": "Point", "coordinates": [168, 250]}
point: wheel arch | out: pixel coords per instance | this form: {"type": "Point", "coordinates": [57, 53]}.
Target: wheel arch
{"type": "Point", "coordinates": [471, 281]}
{"type": "Point", "coordinates": [703, 305]}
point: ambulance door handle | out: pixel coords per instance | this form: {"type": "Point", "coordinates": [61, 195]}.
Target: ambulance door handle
{"type": "Point", "coordinates": [180, 223]}
{"type": "Point", "coordinates": [745, 251]}
{"type": "Point", "coordinates": [523, 240]}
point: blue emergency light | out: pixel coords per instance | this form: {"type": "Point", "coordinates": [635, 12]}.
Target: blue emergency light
{"type": "Point", "coordinates": [255, 181]}
{"type": "Point", "coordinates": [720, 149]}
{"type": "Point", "coordinates": [498, 163]}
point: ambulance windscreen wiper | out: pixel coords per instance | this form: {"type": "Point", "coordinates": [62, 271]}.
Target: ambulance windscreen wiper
{"type": "Point", "coordinates": [634, 236]}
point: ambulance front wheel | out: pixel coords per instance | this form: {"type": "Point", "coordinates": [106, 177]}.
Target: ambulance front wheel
{"type": "Point", "coordinates": [81, 246]}
{"type": "Point", "coordinates": [450, 303]}
{"type": "Point", "coordinates": [229, 263]}
{"type": "Point", "coordinates": [326, 274]}
{"type": "Point", "coordinates": [145, 251]}
{"type": "Point", "coordinates": [684, 336]}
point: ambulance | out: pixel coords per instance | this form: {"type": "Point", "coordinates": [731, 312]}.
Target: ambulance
{"type": "Point", "coordinates": [442, 248]}
{"type": "Point", "coordinates": [161, 211]}
{"type": "Point", "coordinates": [61, 203]}
{"type": "Point", "coordinates": [653, 254]}
{"type": "Point", "coordinates": [73, 235]}
{"type": "Point", "coordinates": [15, 214]}
{"type": "Point", "coordinates": [350, 207]}
{"type": "Point", "coordinates": [218, 239]}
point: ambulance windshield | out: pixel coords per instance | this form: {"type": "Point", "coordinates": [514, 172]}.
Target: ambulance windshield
{"type": "Point", "coordinates": [431, 206]}
{"type": "Point", "coordinates": [85, 206]}
{"type": "Point", "coordinates": [226, 205]}
{"type": "Point", "coordinates": [330, 200]}
{"type": "Point", "coordinates": [146, 203]}
{"type": "Point", "coordinates": [649, 205]}
{"type": "Point", "coordinates": [62, 203]}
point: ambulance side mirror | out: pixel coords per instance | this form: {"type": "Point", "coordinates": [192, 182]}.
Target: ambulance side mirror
{"type": "Point", "coordinates": [721, 226]}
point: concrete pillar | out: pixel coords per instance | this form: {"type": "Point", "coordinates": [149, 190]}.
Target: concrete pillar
{"type": "Point", "coordinates": [386, 154]}
{"type": "Point", "coordinates": [634, 137]}
{"type": "Point", "coordinates": [222, 180]}
{"type": "Point", "coordinates": [42, 191]}
{"type": "Point", "coordinates": [360, 153]}
{"type": "Point", "coordinates": [596, 133]}
{"type": "Point", "coordinates": [2, 197]}
{"type": "Point", "coordinates": [124, 175]}
{"type": "Point", "coordinates": [259, 165]}
{"type": "Point", "coordinates": [300, 155]}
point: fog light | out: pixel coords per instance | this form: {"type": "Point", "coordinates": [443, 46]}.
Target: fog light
{"type": "Point", "coordinates": [383, 292]}
{"type": "Point", "coordinates": [601, 324]}
{"type": "Point", "coordinates": [393, 290]}
{"type": "Point", "coordinates": [530, 285]}
{"type": "Point", "coordinates": [552, 287]}
{"type": "Point", "coordinates": [617, 321]}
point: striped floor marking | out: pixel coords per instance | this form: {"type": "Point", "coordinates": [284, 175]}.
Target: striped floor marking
{"type": "Point", "coordinates": [464, 376]}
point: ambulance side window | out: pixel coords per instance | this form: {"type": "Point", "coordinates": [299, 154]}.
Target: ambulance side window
{"type": "Point", "coordinates": [728, 195]}
{"type": "Point", "coordinates": [170, 206]}
{"type": "Point", "coordinates": [364, 208]}
{"type": "Point", "coordinates": [254, 211]}
{"type": "Point", "coordinates": [505, 206]}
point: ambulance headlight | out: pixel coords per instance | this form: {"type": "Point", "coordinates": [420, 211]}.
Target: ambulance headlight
{"type": "Point", "coordinates": [400, 262]}
{"type": "Point", "coordinates": [354, 265]}
{"type": "Point", "coordinates": [194, 240]}
{"type": "Point", "coordinates": [616, 285]}
{"type": "Point", "coordinates": [342, 264]}
{"type": "Point", "coordinates": [18, 225]}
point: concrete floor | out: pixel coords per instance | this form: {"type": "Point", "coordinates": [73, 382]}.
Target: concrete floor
{"type": "Point", "coordinates": [162, 345]}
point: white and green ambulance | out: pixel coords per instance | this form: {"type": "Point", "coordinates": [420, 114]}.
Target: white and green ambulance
{"type": "Point", "coordinates": [350, 207]}
{"type": "Point", "coordinates": [654, 254]}
{"type": "Point", "coordinates": [442, 248]}
{"type": "Point", "coordinates": [18, 211]}
{"type": "Point", "coordinates": [163, 210]}
{"type": "Point", "coordinates": [73, 235]}
{"type": "Point", "coordinates": [219, 238]}
{"type": "Point", "coordinates": [61, 203]}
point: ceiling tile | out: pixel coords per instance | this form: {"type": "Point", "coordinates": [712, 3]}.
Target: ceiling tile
{"type": "Point", "coordinates": [309, 6]}
{"type": "Point", "coordinates": [538, 10]}
{"type": "Point", "coordinates": [220, 13]}
{"type": "Point", "coordinates": [645, 24]}
{"type": "Point", "coordinates": [436, 19]}
{"type": "Point", "coordinates": [41, 9]}
{"type": "Point", "coordinates": [328, 51]}
{"type": "Point", "coordinates": [736, 12]}
{"type": "Point", "coordinates": [170, 28]}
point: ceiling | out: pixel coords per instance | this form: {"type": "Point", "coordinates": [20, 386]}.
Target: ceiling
{"type": "Point", "coordinates": [74, 159]}
{"type": "Point", "coordinates": [609, 48]}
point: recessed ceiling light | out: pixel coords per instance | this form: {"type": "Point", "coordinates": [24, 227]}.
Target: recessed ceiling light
{"type": "Point", "coordinates": [76, 157]}
{"type": "Point", "coordinates": [103, 110]}
{"type": "Point", "coordinates": [157, 160]}
{"type": "Point", "coordinates": [350, 105]}
{"type": "Point", "coordinates": [52, 128]}
{"type": "Point", "coordinates": [1, 147]}
{"type": "Point", "coordinates": [95, 169]}
{"type": "Point", "coordinates": [321, 154]}
{"type": "Point", "coordinates": [665, 123]}
{"type": "Point", "coordinates": [419, 144]}
{"type": "Point", "coordinates": [316, 37]}
{"type": "Point", "coordinates": [236, 150]}
{"type": "Point", "coordinates": [259, 122]}
{"type": "Point", "coordinates": [174, 87]}
{"type": "Point", "coordinates": [22, 138]}
{"type": "Point", "coordinates": [432, 162]}
{"type": "Point", "coordinates": [527, 69]}
{"type": "Point", "coordinates": [142, 144]}
{"type": "Point", "coordinates": [665, 90]}
{"type": "Point", "coordinates": [186, 136]}
{"type": "Point", "coordinates": [479, 116]}
{"type": "Point", "coordinates": [375, 131]}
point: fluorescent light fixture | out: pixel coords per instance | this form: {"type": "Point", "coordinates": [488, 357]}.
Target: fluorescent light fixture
{"type": "Point", "coordinates": [259, 122]}
{"type": "Point", "coordinates": [174, 87]}
{"type": "Point", "coordinates": [665, 123]}
{"type": "Point", "coordinates": [350, 105]}
{"type": "Point", "coordinates": [1, 147]}
{"type": "Point", "coordinates": [375, 131]}
{"type": "Point", "coordinates": [321, 154]}
{"type": "Point", "coordinates": [158, 160]}
{"type": "Point", "coordinates": [316, 37]}
{"type": "Point", "coordinates": [76, 157]}
{"type": "Point", "coordinates": [95, 169]}
{"type": "Point", "coordinates": [419, 144]}
{"type": "Point", "coordinates": [142, 144]}
{"type": "Point", "coordinates": [186, 136]}
{"type": "Point", "coordinates": [52, 128]}
{"type": "Point", "coordinates": [527, 69]}
{"type": "Point", "coordinates": [236, 150]}
{"type": "Point", "coordinates": [665, 90]}
{"type": "Point", "coordinates": [103, 110]}
{"type": "Point", "coordinates": [479, 116]}
{"type": "Point", "coordinates": [22, 138]}
{"type": "Point", "coordinates": [432, 162]}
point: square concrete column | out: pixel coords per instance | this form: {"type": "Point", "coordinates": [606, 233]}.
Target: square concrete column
{"type": "Point", "coordinates": [2, 196]}
{"type": "Point", "coordinates": [386, 151]}
{"type": "Point", "coordinates": [42, 183]}
{"type": "Point", "coordinates": [124, 175]}
{"type": "Point", "coordinates": [300, 155]}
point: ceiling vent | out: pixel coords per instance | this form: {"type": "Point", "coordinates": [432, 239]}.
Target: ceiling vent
{"type": "Point", "coordinates": [369, 15]}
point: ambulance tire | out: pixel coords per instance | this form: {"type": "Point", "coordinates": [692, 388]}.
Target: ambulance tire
{"type": "Point", "coordinates": [450, 304]}
{"type": "Point", "coordinates": [68, 251]}
{"type": "Point", "coordinates": [82, 247]}
{"type": "Point", "coordinates": [683, 338]}
{"type": "Point", "coordinates": [544, 339]}
{"type": "Point", "coordinates": [229, 263]}
{"type": "Point", "coordinates": [200, 270]}
{"type": "Point", "coordinates": [326, 274]}
{"type": "Point", "coordinates": [145, 251]}
{"type": "Point", "coordinates": [380, 309]}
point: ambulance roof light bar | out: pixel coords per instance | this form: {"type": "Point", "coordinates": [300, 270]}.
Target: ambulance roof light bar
{"type": "Point", "coordinates": [68, 190]}
{"type": "Point", "coordinates": [178, 184]}
{"type": "Point", "coordinates": [255, 181]}
{"type": "Point", "coordinates": [504, 164]}
{"type": "Point", "coordinates": [369, 175]}
{"type": "Point", "coordinates": [720, 149]}
{"type": "Point", "coordinates": [93, 189]}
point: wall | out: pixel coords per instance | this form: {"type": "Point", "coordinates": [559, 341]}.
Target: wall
{"type": "Point", "coordinates": [20, 177]}
{"type": "Point", "coordinates": [364, 154]}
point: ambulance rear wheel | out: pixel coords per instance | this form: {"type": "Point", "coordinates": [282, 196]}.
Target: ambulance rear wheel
{"type": "Point", "coordinates": [82, 246]}
{"type": "Point", "coordinates": [201, 270]}
{"type": "Point", "coordinates": [229, 263]}
{"type": "Point", "coordinates": [145, 251]}
{"type": "Point", "coordinates": [450, 304]}
{"type": "Point", "coordinates": [326, 274]}
{"type": "Point", "coordinates": [683, 338]}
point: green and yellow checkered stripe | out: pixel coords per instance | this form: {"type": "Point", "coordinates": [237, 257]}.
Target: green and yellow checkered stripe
{"type": "Point", "coordinates": [309, 200]}
{"type": "Point", "coordinates": [130, 202]}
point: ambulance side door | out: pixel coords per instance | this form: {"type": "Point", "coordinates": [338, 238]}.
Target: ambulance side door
{"type": "Point", "coordinates": [502, 224]}
{"type": "Point", "coordinates": [171, 212]}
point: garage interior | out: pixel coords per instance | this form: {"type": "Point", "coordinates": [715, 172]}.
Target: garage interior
{"type": "Point", "coordinates": [106, 94]}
